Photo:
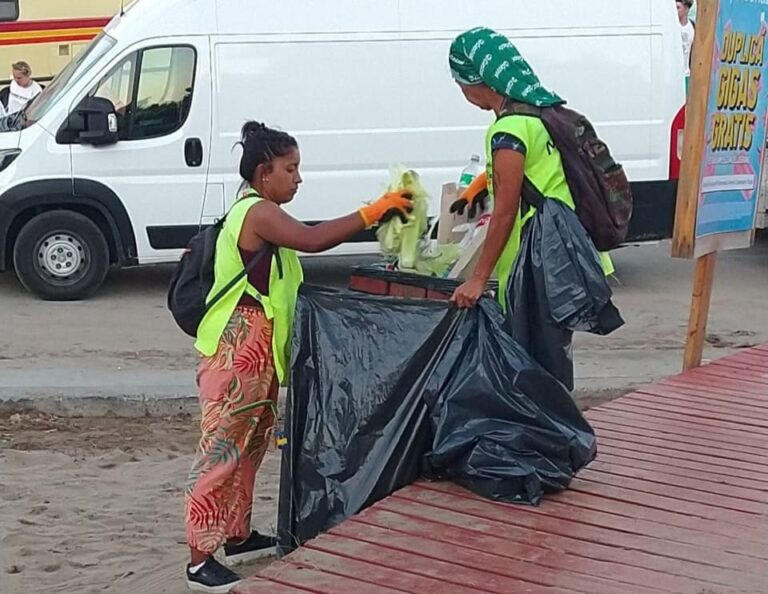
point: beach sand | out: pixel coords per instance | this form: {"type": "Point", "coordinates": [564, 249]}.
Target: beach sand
{"type": "Point", "coordinates": [96, 505]}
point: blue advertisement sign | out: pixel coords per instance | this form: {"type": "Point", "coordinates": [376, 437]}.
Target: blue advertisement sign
{"type": "Point", "coordinates": [736, 121]}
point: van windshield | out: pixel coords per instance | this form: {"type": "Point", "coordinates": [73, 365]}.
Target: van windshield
{"type": "Point", "coordinates": [66, 78]}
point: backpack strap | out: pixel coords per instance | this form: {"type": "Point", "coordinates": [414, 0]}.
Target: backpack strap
{"type": "Point", "coordinates": [510, 108]}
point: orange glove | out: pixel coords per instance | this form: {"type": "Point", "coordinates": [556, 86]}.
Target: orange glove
{"type": "Point", "coordinates": [388, 206]}
{"type": "Point", "coordinates": [475, 196]}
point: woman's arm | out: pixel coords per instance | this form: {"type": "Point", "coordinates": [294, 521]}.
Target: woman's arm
{"type": "Point", "coordinates": [273, 225]}
{"type": "Point", "coordinates": [508, 175]}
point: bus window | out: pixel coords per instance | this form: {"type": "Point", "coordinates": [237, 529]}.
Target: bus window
{"type": "Point", "coordinates": [9, 10]}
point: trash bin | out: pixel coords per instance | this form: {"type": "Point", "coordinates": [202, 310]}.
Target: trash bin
{"type": "Point", "coordinates": [378, 279]}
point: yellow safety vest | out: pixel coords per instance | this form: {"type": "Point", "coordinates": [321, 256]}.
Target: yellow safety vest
{"type": "Point", "coordinates": [285, 278]}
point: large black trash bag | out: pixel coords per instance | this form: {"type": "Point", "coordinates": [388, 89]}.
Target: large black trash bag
{"type": "Point", "coordinates": [558, 287]}
{"type": "Point", "coordinates": [503, 427]}
{"type": "Point", "coordinates": [386, 390]}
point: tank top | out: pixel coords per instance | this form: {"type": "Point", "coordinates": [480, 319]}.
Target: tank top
{"type": "Point", "coordinates": [258, 276]}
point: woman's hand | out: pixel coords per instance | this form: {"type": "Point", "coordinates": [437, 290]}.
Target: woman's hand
{"type": "Point", "coordinates": [467, 295]}
{"type": "Point", "coordinates": [390, 205]}
{"type": "Point", "coordinates": [475, 198]}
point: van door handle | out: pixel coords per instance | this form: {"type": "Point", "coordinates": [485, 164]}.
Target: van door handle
{"type": "Point", "coordinates": [193, 152]}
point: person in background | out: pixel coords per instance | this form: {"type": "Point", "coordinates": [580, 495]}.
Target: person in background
{"type": "Point", "coordinates": [244, 342]}
{"type": "Point", "coordinates": [688, 32]}
{"type": "Point", "coordinates": [21, 90]}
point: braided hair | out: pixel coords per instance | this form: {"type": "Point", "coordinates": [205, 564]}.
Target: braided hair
{"type": "Point", "coordinates": [262, 145]}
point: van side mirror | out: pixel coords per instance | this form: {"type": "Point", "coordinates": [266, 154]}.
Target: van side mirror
{"type": "Point", "coordinates": [93, 121]}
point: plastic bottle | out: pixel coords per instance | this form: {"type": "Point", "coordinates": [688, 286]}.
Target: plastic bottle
{"type": "Point", "coordinates": [470, 172]}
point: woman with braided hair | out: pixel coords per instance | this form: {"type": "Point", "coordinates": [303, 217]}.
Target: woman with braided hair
{"type": "Point", "coordinates": [244, 342]}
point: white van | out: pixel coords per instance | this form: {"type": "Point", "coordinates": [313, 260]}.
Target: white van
{"type": "Point", "coordinates": [130, 149]}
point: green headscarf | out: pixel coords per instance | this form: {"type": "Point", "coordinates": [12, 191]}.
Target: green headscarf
{"type": "Point", "coordinates": [484, 56]}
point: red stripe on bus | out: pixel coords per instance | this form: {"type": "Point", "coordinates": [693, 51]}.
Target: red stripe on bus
{"type": "Point", "coordinates": [47, 25]}
{"type": "Point", "coordinates": [49, 39]}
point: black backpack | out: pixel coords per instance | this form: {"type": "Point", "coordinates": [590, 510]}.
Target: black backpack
{"type": "Point", "coordinates": [193, 279]}
{"type": "Point", "coordinates": [600, 188]}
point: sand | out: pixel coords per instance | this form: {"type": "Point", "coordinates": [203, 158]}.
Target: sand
{"type": "Point", "coordinates": [96, 505]}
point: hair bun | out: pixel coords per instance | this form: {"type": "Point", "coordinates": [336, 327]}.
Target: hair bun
{"type": "Point", "coordinates": [252, 128]}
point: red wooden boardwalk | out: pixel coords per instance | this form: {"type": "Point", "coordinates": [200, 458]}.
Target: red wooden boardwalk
{"type": "Point", "coordinates": [677, 501]}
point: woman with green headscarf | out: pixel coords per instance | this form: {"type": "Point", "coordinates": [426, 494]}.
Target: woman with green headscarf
{"type": "Point", "coordinates": [492, 74]}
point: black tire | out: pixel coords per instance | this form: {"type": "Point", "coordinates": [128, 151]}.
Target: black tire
{"type": "Point", "coordinates": [61, 256]}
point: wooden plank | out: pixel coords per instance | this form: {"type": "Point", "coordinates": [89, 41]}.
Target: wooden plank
{"type": "Point", "coordinates": [753, 367]}
{"type": "Point", "coordinates": [259, 585]}
{"type": "Point", "coordinates": [686, 414]}
{"type": "Point", "coordinates": [714, 397]}
{"type": "Point", "coordinates": [492, 563]}
{"type": "Point", "coordinates": [628, 441]}
{"type": "Point", "coordinates": [683, 396]}
{"type": "Point", "coordinates": [706, 390]}
{"type": "Point", "coordinates": [694, 413]}
{"type": "Point", "coordinates": [723, 426]}
{"type": "Point", "coordinates": [639, 417]}
{"type": "Point", "coordinates": [531, 552]}
{"type": "Point", "coordinates": [452, 577]}
{"type": "Point", "coordinates": [612, 488]}
{"type": "Point", "coordinates": [725, 450]}
{"type": "Point", "coordinates": [704, 458]}
{"type": "Point", "coordinates": [748, 377]}
{"type": "Point", "coordinates": [319, 582]}
{"type": "Point", "coordinates": [629, 433]}
{"type": "Point", "coordinates": [457, 524]}
{"type": "Point", "coordinates": [675, 432]}
{"type": "Point", "coordinates": [596, 528]}
{"type": "Point", "coordinates": [661, 476]}
{"type": "Point", "coordinates": [634, 456]}
{"type": "Point", "coordinates": [672, 430]}
{"type": "Point", "coordinates": [703, 472]}
{"type": "Point", "coordinates": [754, 535]}
{"type": "Point", "coordinates": [753, 364]}
{"type": "Point", "coordinates": [671, 497]}
{"type": "Point", "coordinates": [724, 385]}
{"type": "Point", "coordinates": [379, 565]}
{"type": "Point", "coordinates": [713, 392]}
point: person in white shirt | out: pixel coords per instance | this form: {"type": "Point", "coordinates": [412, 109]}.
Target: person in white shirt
{"type": "Point", "coordinates": [687, 30]}
{"type": "Point", "coordinates": [22, 89]}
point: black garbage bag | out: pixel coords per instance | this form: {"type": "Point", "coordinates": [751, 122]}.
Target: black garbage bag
{"type": "Point", "coordinates": [384, 391]}
{"type": "Point", "coordinates": [558, 287]}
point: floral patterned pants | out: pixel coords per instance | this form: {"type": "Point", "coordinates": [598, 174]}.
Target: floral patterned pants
{"type": "Point", "coordinates": [235, 431]}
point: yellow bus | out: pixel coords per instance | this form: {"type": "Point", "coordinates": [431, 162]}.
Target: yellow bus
{"type": "Point", "coordinates": [48, 33]}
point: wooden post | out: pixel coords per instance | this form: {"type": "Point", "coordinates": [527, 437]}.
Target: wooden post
{"type": "Point", "coordinates": [684, 239]}
{"type": "Point", "coordinates": [702, 298]}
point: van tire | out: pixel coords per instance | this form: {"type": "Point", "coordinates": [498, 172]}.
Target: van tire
{"type": "Point", "coordinates": [61, 255]}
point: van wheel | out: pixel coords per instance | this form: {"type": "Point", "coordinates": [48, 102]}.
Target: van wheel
{"type": "Point", "coordinates": [61, 256]}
